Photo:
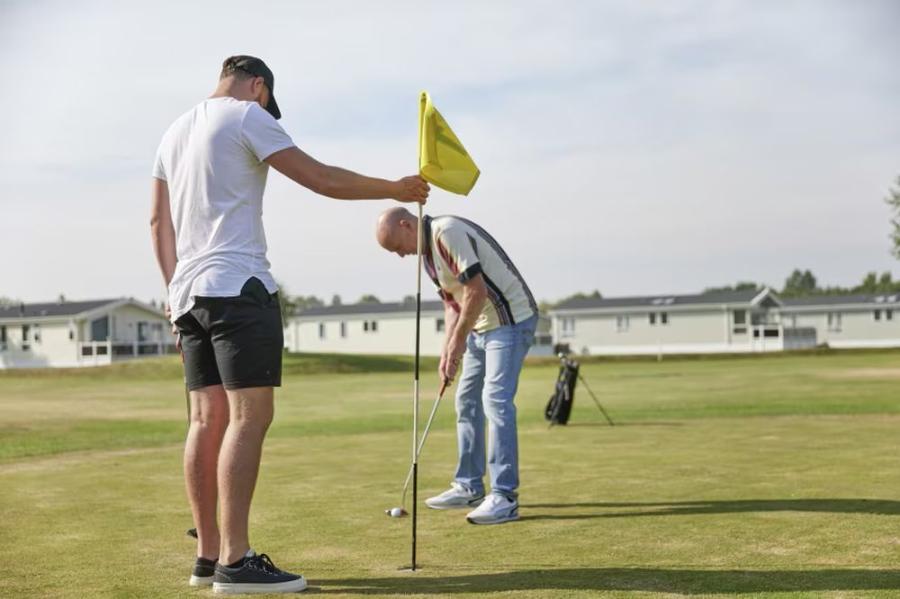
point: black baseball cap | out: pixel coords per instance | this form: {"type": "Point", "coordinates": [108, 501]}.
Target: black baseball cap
{"type": "Point", "coordinates": [257, 68]}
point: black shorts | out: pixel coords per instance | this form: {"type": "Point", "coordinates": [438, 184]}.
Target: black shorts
{"type": "Point", "coordinates": [233, 341]}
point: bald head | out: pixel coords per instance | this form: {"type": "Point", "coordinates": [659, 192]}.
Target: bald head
{"type": "Point", "coordinates": [397, 231]}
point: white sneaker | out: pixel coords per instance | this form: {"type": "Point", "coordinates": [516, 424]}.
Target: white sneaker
{"type": "Point", "coordinates": [457, 496]}
{"type": "Point", "coordinates": [496, 509]}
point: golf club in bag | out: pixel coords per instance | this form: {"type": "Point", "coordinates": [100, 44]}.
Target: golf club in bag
{"type": "Point", "coordinates": [560, 405]}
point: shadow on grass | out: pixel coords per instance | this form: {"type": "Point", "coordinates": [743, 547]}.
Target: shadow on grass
{"type": "Point", "coordinates": [630, 423]}
{"type": "Point", "coordinates": [658, 580]}
{"type": "Point", "coordinates": [878, 507]}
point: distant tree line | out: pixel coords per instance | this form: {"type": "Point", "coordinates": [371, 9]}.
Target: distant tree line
{"type": "Point", "coordinates": [802, 283]}
{"type": "Point", "coordinates": [291, 304]}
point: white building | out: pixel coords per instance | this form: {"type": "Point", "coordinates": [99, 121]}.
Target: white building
{"type": "Point", "coordinates": [85, 333]}
{"type": "Point", "coordinates": [386, 328]}
{"type": "Point", "coordinates": [724, 322]}
{"type": "Point", "coordinates": [870, 320]}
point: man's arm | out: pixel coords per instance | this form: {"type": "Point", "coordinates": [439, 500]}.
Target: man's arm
{"type": "Point", "coordinates": [341, 184]}
{"type": "Point", "coordinates": [450, 318]}
{"type": "Point", "coordinates": [474, 296]}
{"type": "Point", "coordinates": [162, 231]}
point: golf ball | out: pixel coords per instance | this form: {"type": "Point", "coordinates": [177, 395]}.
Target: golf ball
{"type": "Point", "coordinates": [396, 512]}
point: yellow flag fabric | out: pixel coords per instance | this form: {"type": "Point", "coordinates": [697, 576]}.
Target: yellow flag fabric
{"type": "Point", "coordinates": [443, 160]}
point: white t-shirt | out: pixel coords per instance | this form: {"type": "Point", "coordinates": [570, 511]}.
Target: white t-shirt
{"type": "Point", "coordinates": [212, 159]}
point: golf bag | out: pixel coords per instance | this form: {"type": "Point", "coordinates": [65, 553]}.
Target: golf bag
{"type": "Point", "coordinates": [560, 405]}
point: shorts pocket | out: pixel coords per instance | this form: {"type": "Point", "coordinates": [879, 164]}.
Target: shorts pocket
{"type": "Point", "coordinates": [255, 290]}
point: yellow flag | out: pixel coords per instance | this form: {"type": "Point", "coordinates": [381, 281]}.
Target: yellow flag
{"type": "Point", "coordinates": [442, 158]}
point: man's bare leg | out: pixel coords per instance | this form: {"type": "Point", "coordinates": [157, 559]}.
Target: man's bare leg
{"type": "Point", "coordinates": [250, 413]}
{"type": "Point", "coordinates": [209, 418]}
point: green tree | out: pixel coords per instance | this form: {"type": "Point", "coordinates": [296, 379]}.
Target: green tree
{"type": "Point", "coordinates": [893, 200]}
{"type": "Point", "coordinates": [302, 302]}
{"type": "Point", "coordinates": [286, 302]}
{"type": "Point", "coordinates": [800, 283]}
{"type": "Point", "coordinates": [369, 299]}
{"type": "Point", "coordinates": [595, 294]}
{"type": "Point", "coordinates": [869, 283]}
{"type": "Point", "coordinates": [291, 304]}
{"type": "Point", "coordinates": [872, 283]}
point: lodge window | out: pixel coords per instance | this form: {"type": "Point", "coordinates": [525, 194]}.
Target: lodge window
{"type": "Point", "coordinates": [567, 327]}
{"type": "Point", "coordinates": [739, 318]}
{"type": "Point", "coordinates": [653, 318]}
{"type": "Point", "coordinates": [3, 338]}
{"type": "Point", "coordinates": [321, 330]}
{"type": "Point", "coordinates": [370, 326]}
{"type": "Point", "coordinates": [834, 321]}
{"type": "Point", "coordinates": [889, 314]}
{"type": "Point", "coordinates": [664, 317]}
{"type": "Point", "coordinates": [439, 325]}
{"type": "Point", "coordinates": [621, 323]}
{"type": "Point", "coordinates": [343, 329]}
{"type": "Point", "coordinates": [877, 314]}
{"type": "Point", "coordinates": [26, 329]}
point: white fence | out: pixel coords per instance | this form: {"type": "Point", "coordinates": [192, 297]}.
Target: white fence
{"type": "Point", "coordinates": [107, 352]}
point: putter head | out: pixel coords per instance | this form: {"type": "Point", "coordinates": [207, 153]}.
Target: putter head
{"type": "Point", "coordinates": [396, 512]}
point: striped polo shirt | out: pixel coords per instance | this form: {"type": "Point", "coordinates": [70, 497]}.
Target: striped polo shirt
{"type": "Point", "coordinates": [457, 250]}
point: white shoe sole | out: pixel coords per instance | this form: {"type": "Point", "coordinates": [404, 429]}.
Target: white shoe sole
{"type": "Point", "coordinates": [200, 581]}
{"type": "Point", "coordinates": [455, 506]}
{"type": "Point", "coordinates": [244, 588]}
{"type": "Point", "coordinates": [509, 518]}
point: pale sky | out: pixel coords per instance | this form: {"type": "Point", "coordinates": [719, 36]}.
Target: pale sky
{"type": "Point", "coordinates": [632, 147]}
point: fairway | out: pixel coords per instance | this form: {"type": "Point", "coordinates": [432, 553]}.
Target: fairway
{"type": "Point", "coordinates": [773, 476]}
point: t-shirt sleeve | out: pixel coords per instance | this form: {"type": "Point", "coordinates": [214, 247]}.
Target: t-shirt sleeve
{"type": "Point", "coordinates": [262, 134]}
{"type": "Point", "coordinates": [159, 171]}
{"type": "Point", "coordinates": [459, 252]}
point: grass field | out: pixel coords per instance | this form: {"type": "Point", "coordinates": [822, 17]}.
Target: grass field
{"type": "Point", "coordinates": [768, 476]}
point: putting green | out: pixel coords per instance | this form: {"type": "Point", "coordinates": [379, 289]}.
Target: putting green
{"type": "Point", "coordinates": [771, 476]}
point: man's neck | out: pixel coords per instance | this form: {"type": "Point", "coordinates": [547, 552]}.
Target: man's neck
{"type": "Point", "coordinates": [227, 90]}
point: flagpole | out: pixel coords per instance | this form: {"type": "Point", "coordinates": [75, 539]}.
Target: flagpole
{"type": "Point", "coordinates": [415, 435]}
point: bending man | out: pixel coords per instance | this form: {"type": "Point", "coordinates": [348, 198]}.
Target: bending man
{"type": "Point", "coordinates": [490, 318]}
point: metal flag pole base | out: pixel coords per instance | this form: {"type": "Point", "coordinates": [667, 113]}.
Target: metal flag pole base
{"type": "Point", "coordinates": [415, 435]}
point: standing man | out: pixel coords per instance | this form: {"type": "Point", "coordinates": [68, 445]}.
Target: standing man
{"type": "Point", "coordinates": [207, 231]}
{"type": "Point", "coordinates": [490, 317]}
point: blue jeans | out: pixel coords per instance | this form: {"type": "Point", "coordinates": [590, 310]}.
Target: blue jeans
{"type": "Point", "coordinates": [487, 386]}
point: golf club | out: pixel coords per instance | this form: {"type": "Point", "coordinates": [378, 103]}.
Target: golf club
{"type": "Point", "coordinates": [399, 512]}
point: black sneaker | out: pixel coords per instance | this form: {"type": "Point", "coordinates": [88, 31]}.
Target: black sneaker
{"type": "Point", "coordinates": [203, 573]}
{"type": "Point", "coordinates": [256, 575]}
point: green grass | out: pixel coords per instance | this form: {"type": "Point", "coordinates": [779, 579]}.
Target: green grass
{"type": "Point", "coordinates": [772, 476]}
